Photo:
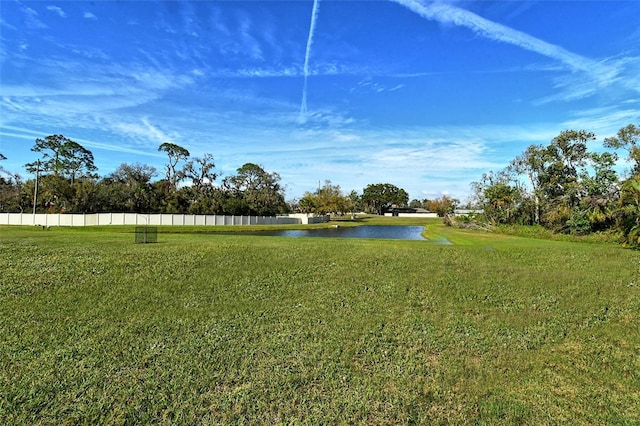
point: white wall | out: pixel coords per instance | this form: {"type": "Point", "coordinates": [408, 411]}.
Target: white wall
{"type": "Point", "coordinates": [307, 219]}
{"type": "Point", "coordinates": [149, 219]}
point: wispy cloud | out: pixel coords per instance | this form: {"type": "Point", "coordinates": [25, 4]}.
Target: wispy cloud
{"type": "Point", "coordinates": [375, 87]}
{"type": "Point", "coordinates": [235, 36]}
{"type": "Point", "coordinates": [31, 134]}
{"type": "Point", "coordinates": [291, 71]}
{"type": "Point", "coordinates": [595, 73]}
{"type": "Point", "coordinates": [32, 19]}
{"type": "Point", "coordinates": [5, 24]}
{"type": "Point", "coordinates": [189, 21]}
{"type": "Point", "coordinates": [610, 72]}
{"type": "Point", "coordinates": [142, 131]}
{"type": "Point", "coordinates": [154, 132]}
{"type": "Point", "coordinates": [446, 13]}
{"type": "Point", "coordinates": [74, 93]}
{"type": "Point", "coordinates": [252, 46]}
{"type": "Point", "coordinates": [89, 15]}
{"type": "Point", "coordinates": [603, 121]}
{"type": "Point", "coordinates": [57, 10]}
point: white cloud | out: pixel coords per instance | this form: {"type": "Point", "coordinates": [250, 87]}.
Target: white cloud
{"type": "Point", "coordinates": [89, 15]}
{"type": "Point", "coordinates": [57, 10]}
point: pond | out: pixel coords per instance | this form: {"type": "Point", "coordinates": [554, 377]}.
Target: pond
{"type": "Point", "coordinates": [365, 231]}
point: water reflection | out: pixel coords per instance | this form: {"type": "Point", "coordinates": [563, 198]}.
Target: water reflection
{"type": "Point", "coordinates": [366, 231]}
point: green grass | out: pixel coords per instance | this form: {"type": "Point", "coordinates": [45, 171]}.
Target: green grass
{"type": "Point", "coordinates": [217, 329]}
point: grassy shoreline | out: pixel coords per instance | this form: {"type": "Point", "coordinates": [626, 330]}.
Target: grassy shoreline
{"type": "Point", "coordinates": [205, 328]}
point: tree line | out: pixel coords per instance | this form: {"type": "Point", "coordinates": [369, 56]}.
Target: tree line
{"type": "Point", "coordinates": [66, 181]}
{"type": "Point", "coordinates": [567, 187]}
{"type": "Point", "coordinates": [564, 186]}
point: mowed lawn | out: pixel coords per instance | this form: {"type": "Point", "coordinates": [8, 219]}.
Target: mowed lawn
{"type": "Point", "coordinates": [231, 329]}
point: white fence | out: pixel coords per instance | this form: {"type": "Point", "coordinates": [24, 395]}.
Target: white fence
{"type": "Point", "coordinates": [150, 219]}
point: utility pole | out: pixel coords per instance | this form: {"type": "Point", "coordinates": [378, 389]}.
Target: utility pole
{"type": "Point", "coordinates": [35, 192]}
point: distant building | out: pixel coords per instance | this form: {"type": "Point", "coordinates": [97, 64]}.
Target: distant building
{"type": "Point", "coordinates": [466, 212]}
{"type": "Point", "coordinates": [409, 212]}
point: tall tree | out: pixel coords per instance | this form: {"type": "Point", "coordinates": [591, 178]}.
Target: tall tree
{"type": "Point", "coordinates": [62, 161]}
{"type": "Point", "coordinates": [78, 161]}
{"type": "Point", "coordinates": [203, 196]}
{"type": "Point", "coordinates": [565, 159]}
{"type": "Point", "coordinates": [531, 163]}
{"type": "Point", "coordinates": [52, 149]}
{"type": "Point", "coordinates": [201, 171]}
{"type": "Point", "coordinates": [354, 203]}
{"type": "Point", "coordinates": [554, 173]}
{"type": "Point", "coordinates": [62, 157]}
{"type": "Point", "coordinates": [566, 154]}
{"type": "Point", "coordinates": [380, 196]}
{"type": "Point", "coordinates": [175, 154]}
{"type": "Point", "coordinates": [330, 199]}
{"type": "Point", "coordinates": [628, 138]}
{"type": "Point", "coordinates": [254, 191]}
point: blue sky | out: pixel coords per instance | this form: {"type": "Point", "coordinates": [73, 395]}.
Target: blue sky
{"type": "Point", "coordinates": [424, 95]}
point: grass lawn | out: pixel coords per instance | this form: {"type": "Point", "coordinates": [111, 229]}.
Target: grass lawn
{"type": "Point", "coordinates": [216, 329]}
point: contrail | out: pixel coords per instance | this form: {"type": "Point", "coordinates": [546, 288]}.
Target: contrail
{"type": "Point", "coordinates": [312, 29]}
{"type": "Point", "coordinates": [597, 74]}
{"type": "Point", "coordinates": [453, 15]}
